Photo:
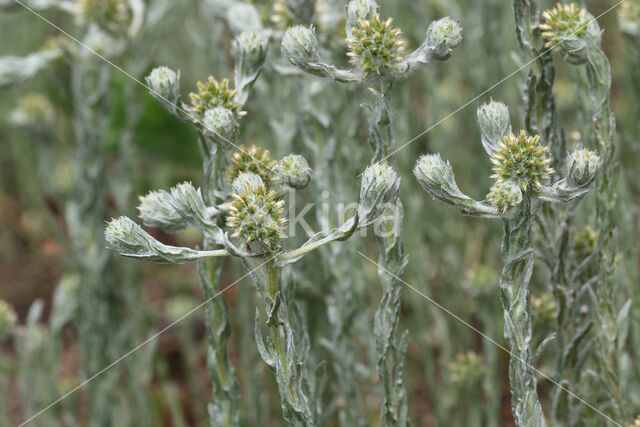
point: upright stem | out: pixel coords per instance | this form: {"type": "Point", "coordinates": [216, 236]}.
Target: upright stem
{"type": "Point", "coordinates": [517, 256]}
{"type": "Point", "coordinates": [224, 411]}
{"type": "Point", "coordinates": [390, 350]}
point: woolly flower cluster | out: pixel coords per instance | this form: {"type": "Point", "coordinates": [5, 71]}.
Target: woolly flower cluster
{"type": "Point", "coordinates": [375, 45]}
{"type": "Point", "coordinates": [522, 159]}
{"type": "Point", "coordinates": [467, 368]}
{"type": "Point", "coordinates": [214, 94]}
{"type": "Point", "coordinates": [254, 160]}
{"type": "Point", "coordinates": [563, 21]}
{"type": "Point", "coordinates": [256, 214]}
{"type": "Point", "coordinates": [112, 15]}
{"type": "Point", "coordinates": [294, 170]}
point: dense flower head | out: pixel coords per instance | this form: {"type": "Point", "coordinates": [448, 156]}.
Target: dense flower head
{"type": "Point", "coordinates": [256, 213]}
{"type": "Point", "coordinates": [33, 109]}
{"type": "Point", "coordinates": [505, 195]}
{"type": "Point", "coordinates": [629, 19]}
{"type": "Point", "coordinates": [252, 44]}
{"type": "Point", "coordinates": [379, 187]}
{"type": "Point", "coordinates": [466, 368]}
{"type": "Point", "coordinates": [8, 318]}
{"type": "Point", "coordinates": [253, 159]}
{"type": "Point", "coordinates": [156, 210]}
{"type": "Point", "coordinates": [214, 94]}
{"type": "Point", "coordinates": [562, 21]}
{"type": "Point", "coordinates": [543, 307]}
{"type": "Point", "coordinates": [375, 45]}
{"type": "Point", "coordinates": [523, 159]}
{"type": "Point", "coordinates": [443, 36]}
{"type": "Point", "coordinates": [112, 15]}
{"type": "Point", "coordinates": [220, 121]}
{"type": "Point", "coordinates": [294, 170]}
{"type": "Point", "coordinates": [585, 242]}
{"type": "Point", "coordinates": [164, 82]}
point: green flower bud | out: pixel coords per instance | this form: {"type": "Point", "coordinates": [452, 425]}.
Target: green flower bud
{"type": "Point", "coordinates": [294, 171]}
{"type": "Point", "coordinates": [220, 122]}
{"type": "Point", "coordinates": [505, 195]}
{"type": "Point", "coordinates": [443, 36]}
{"type": "Point", "coordinates": [8, 318]}
{"type": "Point", "coordinates": [495, 124]}
{"type": "Point", "coordinates": [156, 211]}
{"type": "Point", "coordinates": [300, 46]}
{"type": "Point", "coordinates": [375, 45]}
{"type": "Point", "coordinates": [380, 186]}
{"type": "Point", "coordinates": [359, 10]}
{"type": "Point", "coordinates": [433, 173]}
{"type": "Point", "coordinates": [33, 111]}
{"type": "Point", "coordinates": [466, 369]}
{"type": "Point", "coordinates": [250, 48]}
{"type": "Point", "coordinates": [290, 12]}
{"type": "Point", "coordinates": [164, 85]}
{"type": "Point", "coordinates": [573, 30]}
{"type": "Point", "coordinates": [582, 167]}
{"type": "Point", "coordinates": [629, 20]}
{"type": "Point", "coordinates": [253, 159]}
{"type": "Point", "coordinates": [585, 243]}
{"type": "Point", "coordinates": [522, 159]}
{"type": "Point", "coordinates": [255, 215]}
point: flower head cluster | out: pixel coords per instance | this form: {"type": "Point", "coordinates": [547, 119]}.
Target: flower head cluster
{"type": "Point", "coordinates": [522, 159]}
{"type": "Point", "coordinates": [375, 45]}
{"type": "Point", "coordinates": [505, 195]}
{"type": "Point", "coordinates": [543, 307]}
{"type": "Point", "coordinates": [256, 214]}
{"type": "Point", "coordinates": [112, 15]}
{"type": "Point", "coordinates": [33, 110]}
{"type": "Point", "coordinates": [466, 369]}
{"type": "Point", "coordinates": [629, 18]}
{"type": "Point", "coordinates": [584, 243]}
{"type": "Point", "coordinates": [571, 29]}
{"type": "Point", "coordinates": [214, 94]}
{"type": "Point", "coordinates": [582, 166]}
{"type": "Point", "coordinates": [8, 318]}
{"type": "Point", "coordinates": [253, 159]}
{"type": "Point", "coordinates": [379, 187]}
{"type": "Point", "coordinates": [299, 45]}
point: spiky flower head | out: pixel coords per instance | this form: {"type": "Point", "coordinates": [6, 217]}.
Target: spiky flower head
{"type": "Point", "coordinates": [522, 159]}
{"type": "Point", "coordinates": [219, 121]}
{"type": "Point", "coordinates": [467, 368]}
{"type": "Point", "coordinates": [255, 214]}
{"type": "Point", "coordinates": [505, 195]}
{"type": "Point", "coordinates": [380, 186]}
{"type": "Point", "coordinates": [585, 242]}
{"type": "Point", "coordinates": [443, 36]}
{"type": "Point", "coordinates": [375, 45]}
{"type": "Point", "coordinates": [294, 170]}
{"type": "Point", "coordinates": [629, 19]}
{"type": "Point", "coordinates": [112, 15]}
{"type": "Point", "coordinates": [253, 159]}
{"type": "Point", "coordinates": [214, 94]}
{"type": "Point", "coordinates": [571, 29]}
{"type": "Point", "coordinates": [582, 166]}
{"type": "Point", "coordinates": [8, 318]}
{"type": "Point", "coordinates": [300, 46]}
{"type": "Point", "coordinates": [33, 110]}
{"type": "Point", "coordinates": [543, 307]}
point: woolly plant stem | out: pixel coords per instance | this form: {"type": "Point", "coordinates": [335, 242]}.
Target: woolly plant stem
{"type": "Point", "coordinates": [390, 350]}
{"type": "Point", "coordinates": [517, 256]}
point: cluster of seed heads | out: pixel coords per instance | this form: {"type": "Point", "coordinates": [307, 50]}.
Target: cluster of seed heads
{"type": "Point", "coordinates": [113, 15]}
{"type": "Point", "coordinates": [543, 307]}
{"type": "Point", "coordinates": [214, 94]}
{"type": "Point", "coordinates": [253, 159]}
{"type": "Point", "coordinates": [375, 45]}
{"type": "Point", "coordinates": [522, 159]}
{"type": "Point", "coordinates": [562, 21]}
{"type": "Point", "coordinates": [467, 368]}
{"type": "Point", "coordinates": [256, 213]}
{"type": "Point", "coordinates": [584, 242]}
